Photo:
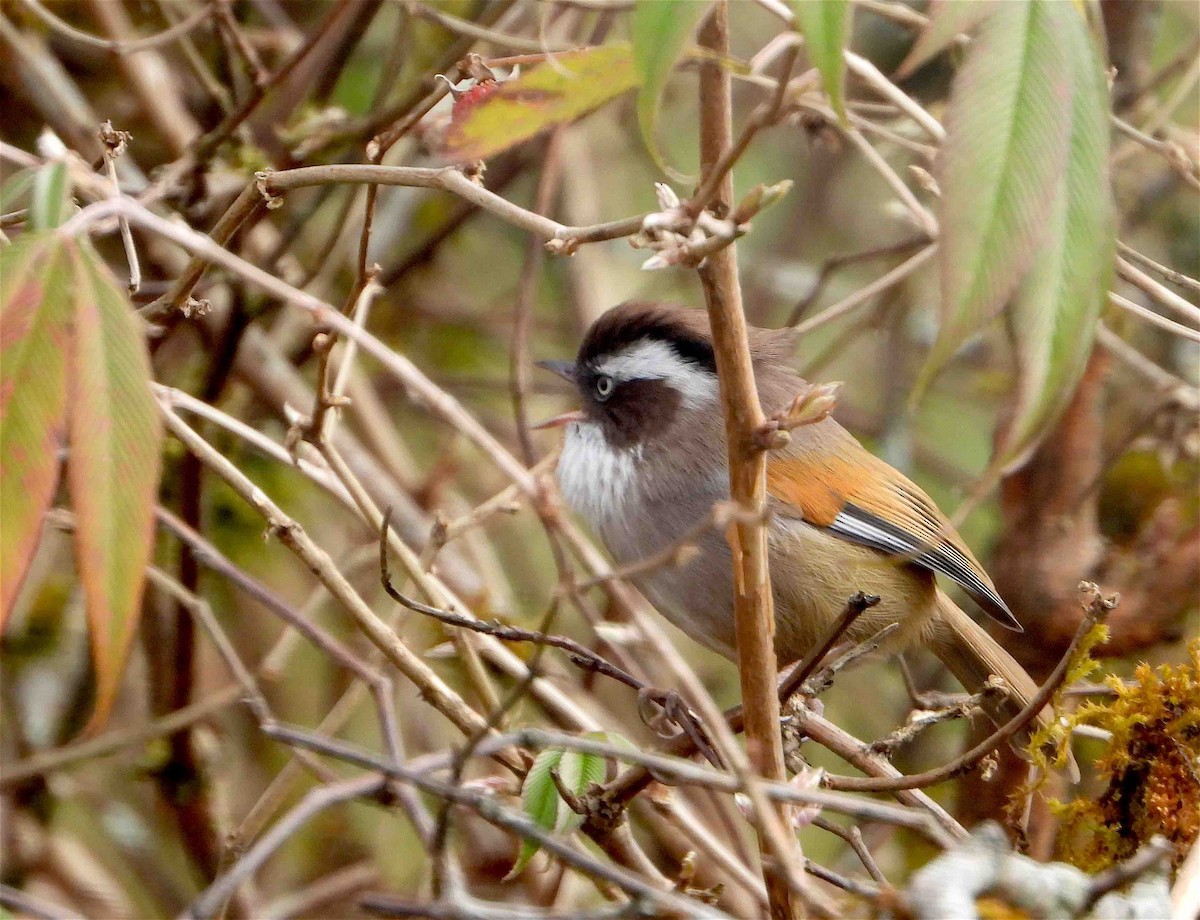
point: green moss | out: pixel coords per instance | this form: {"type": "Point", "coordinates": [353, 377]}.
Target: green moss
{"type": "Point", "coordinates": [1149, 768]}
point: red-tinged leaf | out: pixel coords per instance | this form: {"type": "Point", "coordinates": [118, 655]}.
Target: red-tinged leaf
{"type": "Point", "coordinates": [35, 330]}
{"type": "Point", "coordinates": [947, 20]}
{"type": "Point", "coordinates": [1007, 131]}
{"type": "Point", "coordinates": [825, 25]}
{"type": "Point", "coordinates": [1054, 314]}
{"type": "Point", "coordinates": [554, 93]}
{"type": "Point", "coordinates": [113, 467]}
{"type": "Point", "coordinates": [661, 31]}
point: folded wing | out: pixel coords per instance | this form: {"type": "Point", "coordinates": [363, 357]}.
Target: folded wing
{"type": "Point", "coordinates": [832, 482]}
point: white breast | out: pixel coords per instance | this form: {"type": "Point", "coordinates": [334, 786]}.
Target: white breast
{"type": "Point", "coordinates": [598, 482]}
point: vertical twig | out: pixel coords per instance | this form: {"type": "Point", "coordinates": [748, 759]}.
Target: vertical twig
{"type": "Point", "coordinates": [753, 608]}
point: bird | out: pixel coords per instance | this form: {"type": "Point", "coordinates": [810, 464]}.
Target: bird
{"type": "Point", "coordinates": [644, 460]}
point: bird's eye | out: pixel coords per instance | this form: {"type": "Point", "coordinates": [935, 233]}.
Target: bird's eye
{"type": "Point", "coordinates": [604, 387]}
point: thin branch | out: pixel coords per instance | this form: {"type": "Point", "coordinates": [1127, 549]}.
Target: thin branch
{"type": "Point", "coordinates": [856, 606]}
{"type": "Point", "coordinates": [380, 685]}
{"type": "Point", "coordinates": [106, 745]}
{"type": "Point", "coordinates": [869, 74]}
{"type": "Point", "coordinates": [1096, 610]}
{"type": "Point", "coordinates": [433, 689]}
{"type": "Point", "coordinates": [1154, 853]}
{"type": "Point", "coordinates": [209, 901]}
{"type": "Point", "coordinates": [504, 818]}
{"type": "Point", "coordinates": [30, 905]}
{"type": "Point", "coordinates": [764, 115]}
{"type": "Point", "coordinates": [1154, 319]}
{"type": "Point", "coordinates": [319, 897]}
{"type": "Point", "coordinates": [577, 654]}
{"type": "Point", "coordinates": [831, 266]}
{"type": "Point", "coordinates": [492, 36]}
{"type": "Point", "coordinates": [563, 239]}
{"type": "Point", "coordinates": [1159, 292]}
{"type": "Point", "coordinates": [1159, 377]}
{"type": "Point", "coordinates": [852, 302]}
{"type": "Point", "coordinates": [114, 143]}
{"type": "Point", "coordinates": [1170, 274]}
{"type": "Point", "coordinates": [677, 770]}
{"type": "Point", "coordinates": [130, 46]}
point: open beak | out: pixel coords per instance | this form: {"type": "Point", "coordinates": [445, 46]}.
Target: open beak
{"type": "Point", "coordinates": [564, 369]}
{"type": "Point", "coordinates": [559, 421]}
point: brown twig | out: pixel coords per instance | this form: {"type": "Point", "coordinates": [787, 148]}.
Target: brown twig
{"type": "Point", "coordinates": [434, 690]}
{"type": "Point", "coordinates": [856, 606]}
{"type": "Point", "coordinates": [504, 818]}
{"type": "Point", "coordinates": [535, 254]}
{"type": "Point", "coordinates": [831, 266]}
{"type": "Point", "coordinates": [754, 616]}
{"type": "Point", "coordinates": [209, 901]}
{"type": "Point", "coordinates": [1097, 608]}
{"type": "Point", "coordinates": [69, 756]}
{"type": "Point", "coordinates": [119, 46]}
{"type": "Point", "coordinates": [560, 238]}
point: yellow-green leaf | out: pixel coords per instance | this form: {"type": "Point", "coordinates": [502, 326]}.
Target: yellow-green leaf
{"type": "Point", "coordinates": [113, 466]}
{"type": "Point", "coordinates": [1055, 310]}
{"type": "Point", "coordinates": [35, 331]}
{"type": "Point", "coordinates": [1007, 130]}
{"type": "Point", "coordinates": [51, 196]}
{"type": "Point", "coordinates": [825, 25]}
{"type": "Point", "coordinates": [661, 30]}
{"type": "Point", "coordinates": [554, 93]}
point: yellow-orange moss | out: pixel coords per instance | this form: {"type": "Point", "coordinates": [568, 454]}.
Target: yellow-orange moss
{"type": "Point", "coordinates": [1151, 768]}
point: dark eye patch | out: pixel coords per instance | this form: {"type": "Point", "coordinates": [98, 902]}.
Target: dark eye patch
{"type": "Point", "coordinates": [635, 410]}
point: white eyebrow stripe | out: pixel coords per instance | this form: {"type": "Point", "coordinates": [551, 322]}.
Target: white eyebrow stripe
{"type": "Point", "coordinates": [654, 360]}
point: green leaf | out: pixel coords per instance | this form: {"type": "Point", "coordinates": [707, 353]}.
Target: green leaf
{"type": "Point", "coordinates": [542, 803]}
{"type": "Point", "coordinates": [15, 187]}
{"type": "Point", "coordinates": [35, 332]}
{"type": "Point", "coordinates": [947, 20]}
{"type": "Point", "coordinates": [554, 93]}
{"type": "Point", "coordinates": [113, 467]}
{"type": "Point", "coordinates": [1007, 129]}
{"type": "Point", "coordinates": [51, 196]}
{"type": "Point", "coordinates": [661, 30]}
{"type": "Point", "coordinates": [1054, 314]}
{"type": "Point", "coordinates": [825, 25]}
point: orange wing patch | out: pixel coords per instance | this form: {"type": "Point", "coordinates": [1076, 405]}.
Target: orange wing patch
{"type": "Point", "coordinates": [830, 474]}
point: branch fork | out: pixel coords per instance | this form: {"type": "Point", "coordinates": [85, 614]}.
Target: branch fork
{"type": "Point", "coordinates": [679, 237]}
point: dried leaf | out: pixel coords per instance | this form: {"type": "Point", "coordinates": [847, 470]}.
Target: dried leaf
{"type": "Point", "coordinates": [554, 93]}
{"type": "Point", "coordinates": [1007, 132]}
{"type": "Point", "coordinates": [35, 331]}
{"type": "Point", "coordinates": [1054, 314]}
{"type": "Point", "coordinates": [660, 33]}
{"type": "Point", "coordinates": [113, 467]}
{"type": "Point", "coordinates": [947, 20]}
{"type": "Point", "coordinates": [825, 25]}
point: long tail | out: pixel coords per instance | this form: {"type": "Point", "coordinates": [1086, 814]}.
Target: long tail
{"type": "Point", "coordinates": [973, 656]}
